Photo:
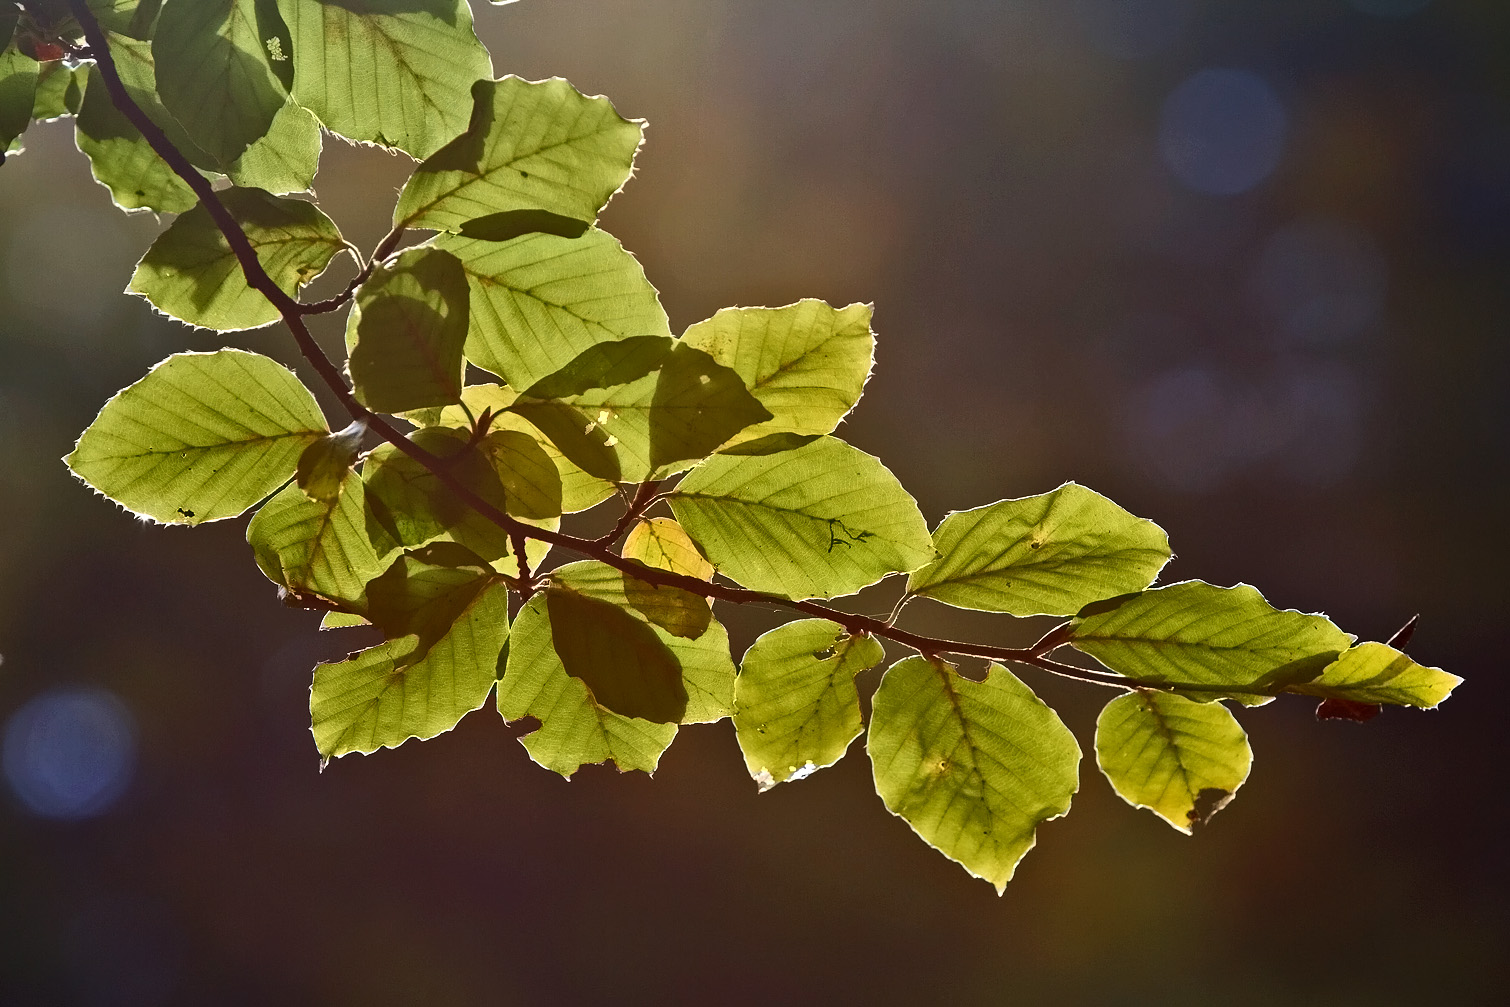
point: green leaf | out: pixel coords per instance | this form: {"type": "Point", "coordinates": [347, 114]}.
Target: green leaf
{"type": "Point", "coordinates": [770, 444]}
{"type": "Point", "coordinates": [191, 273]}
{"type": "Point", "coordinates": [129, 17]}
{"type": "Point", "coordinates": [795, 705]}
{"type": "Point", "coordinates": [573, 729]}
{"type": "Point", "coordinates": [18, 92]}
{"type": "Point", "coordinates": [531, 482]}
{"type": "Point", "coordinates": [807, 363]}
{"type": "Point", "coordinates": [286, 159]}
{"type": "Point", "coordinates": [341, 620]}
{"type": "Point", "coordinates": [1212, 641]}
{"type": "Point", "coordinates": [1181, 759]}
{"type": "Point", "coordinates": [707, 667]}
{"type": "Point", "coordinates": [826, 519]}
{"type": "Point", "coordinates": [382, 697]}
{"type": "Point", "coordinates": [425, 591]}
{"type": "Point", "coordinates": [1377, 673]}
{"type": "Point", "coordinates": [324, 464]}
{"type": "Point", "coordinates": [662, 543]}
{"type": "Point", "coordinates": [121, 159]}
{"type": "Point", "coordinates": [698, 404]}
{"type": "Point", "coordinates": [214, 76]}
{"type": "Point", "coordinates": [540, 300]}
{"type": "Point", "coordinates": [973, 767]}
{"type": "Point", "coordinates": [59, 91]}
{"type": "Point", "coordinates": [397, 73]}
{"type": "Point", "coordinates": [202, 437]}
{"type": "Point", "coordinates": [9, 15]}
{"type": "Point", "coordinates": [511, 224]}
{"type": "Point", "coordinates": [138, 72]}
{"type": "Point", "coordinates": [316, 547]}
{"type": "Point", "coordinates": [641, 428]}
{"type": "Point", "coordinates": [411, 503]}
{"type": "Point", "coordinates": [406, 332]}
{"type": "Point", "coordinates": [531, 145]}
{"type": "Point", "coordinates": [579, 490]}
{"type": "Point", "coordinates": [604, 365]}
{"type": "Point", "coordinates": [1043, 555]}
{"type": "Point", "coordinates": [581, 440]}
{"type": "Point", "coordinates": [620, 658]}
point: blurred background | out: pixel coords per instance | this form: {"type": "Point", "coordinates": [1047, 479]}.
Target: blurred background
{"type": "Point", "coordinates": [1242, 266]}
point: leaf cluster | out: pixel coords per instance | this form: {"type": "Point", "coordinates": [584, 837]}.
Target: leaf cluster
{"type": "Point", "coordinates": [435, 516]}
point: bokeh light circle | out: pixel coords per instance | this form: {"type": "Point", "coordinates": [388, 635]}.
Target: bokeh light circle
{"type": "Point", "coordinates": [70, 753]}
{"type": "Point", "coordinates": [1222, 131]}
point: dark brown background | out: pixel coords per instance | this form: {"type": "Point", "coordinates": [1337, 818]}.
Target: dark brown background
{"type": "Point", "coordinates": [1052, 304]}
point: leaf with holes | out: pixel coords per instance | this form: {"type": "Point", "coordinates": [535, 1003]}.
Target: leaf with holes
{"type": "Point", "coordinates": [202, 437]}
{"type": "Point", "coordinates": [826, 519]}
{"type": "Point", "coordinates": [531, 145]}
{"type": "Point", "coordinates": [406, 330]}
{"type": "Point", "coordinates": [973, 767]}
{"type": "Point", "coordinates": [795, 705]}
{"type": "Point", "coordinates": [397, 73]}
{"type": "Point", "coordinates": [1180, 759]}
{"type": "Point", "coordinates": [191, 273]}
{"type": "Point", "coordinates": [1043, 555]}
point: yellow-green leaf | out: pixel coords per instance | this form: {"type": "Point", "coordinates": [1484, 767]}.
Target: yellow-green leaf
{"type": "Point", "coordinates": [973, 767]}
{"type": "Point", "coordinates": [1377, 673]}
{"type": "Point", "coordinates": [1181, 759]}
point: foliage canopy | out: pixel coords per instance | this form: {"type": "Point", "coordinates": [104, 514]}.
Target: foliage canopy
{"type": "Point", "coordinates": [437, 511]}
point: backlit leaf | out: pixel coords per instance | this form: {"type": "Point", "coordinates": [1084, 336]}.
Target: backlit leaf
{"type": "Point", "coordinates": [973, 767]}
{"type": "Point", "coordinates": [1181, 759]}
{"type": "Point", "coordinates": [413, 504]}
{"type": "Point", "coordinates": [540, 300]}
{"type": "Point", "coordinates": [795, 705]}
{"type": "Point", "coordinates": [191, 273]}
{"type": "Point", "coordinates": [530, 145]}
{"type": "Point", "coordinates": [573, 729]}
{"type": "Point", "coordinates": [531, 482]}
{"type": "Point", "coordinates": [707, 667]}
{"type": "Point", "coordinates": [121, 159]}
{"type": "Point", "coordinates": [1213, 641]}
{"type": "Point", "coordinates": [406, 331]}
{"type": "Point", "coordinates": [382, 697]}
{"type": "Point", "coordinates": [202, 437]}
{"type": "Point", "coordinates": [286, 159]}
{"type": "Point", "coordinates": [579, 490]}
{"type": "Point", "coordinates": [323, 465]}
{"type": "Point", "coordinates": [662, 543]}
{"type": "Point", "coordinates": [59, 90]}
{"type": "Point", "coordinates": [807, 363]}
{"type": "Point", "coordinates": [316, 547]}
{"type": "Point", "coordinates": [604, 365]}
{"type": "Point", "coordinates": [1377, 673]}
{"type": "Point", "coordinates": [18, 93]}
{"type": "Point", "coordinates": [507, 225]}
{"type": "Point", "coordinates": [1043, 555]}
{"type": "Point", "coordinates": [625, 665]}
{"type": "Point", "coordinates": [423, 592]}
{"type": "Point", "coordinates": [397, 73]}
{"type": "Point", "coordinates": [826, 519]}
{"type": "Point", "coordinates": [213, 74]}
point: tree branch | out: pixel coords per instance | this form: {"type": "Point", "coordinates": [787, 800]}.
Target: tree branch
{"type": "Point", "coordinates": [293, 312]}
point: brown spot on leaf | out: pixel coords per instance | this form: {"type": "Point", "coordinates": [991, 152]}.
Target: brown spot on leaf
{"type": "Point", "coordinates": [1207, 803]}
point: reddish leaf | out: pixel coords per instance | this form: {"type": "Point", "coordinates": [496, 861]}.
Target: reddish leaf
{"type": "Point", "coordinates": [1346, 709]}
